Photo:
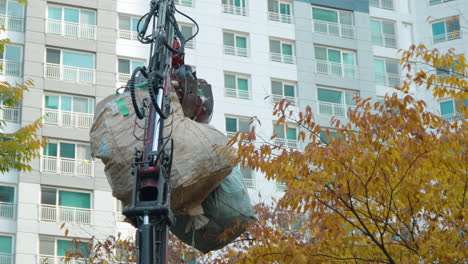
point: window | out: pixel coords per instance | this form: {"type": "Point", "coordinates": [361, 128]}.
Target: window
{"type": "Point", "coordinates": [387, 72]}
{"type": "Point", "coordinates": [6, 249]}
{"type": "Point", "coordinates": [235, 7]}
{"type": "Point", "coordinates": [450, 71]}
{"type": "Point", "coordinates": [385, 4]}
{"type": "Point", "coordinates": [283, 90]}
{"type": "Point", "coordinates": [51, 248]}
{"type": "Point", "coordinates": [280, 11]}
{"type": "Point", "coordinates": [383, 33]}
{"type": "Point", "coordinates": [282, 51]}
{"type": "Point", "coordinates": [235, 44]}
{"type": "Point", "coordinates": [285, 137]}
{"type": "Point", "coordinates": [324, 139]}
{"type": "Point", "coordinates": [249, 176]}
{"type": "Point", "coordinates": [69, 66]}
{"type": "Point", "coordinates": [237, 86]}
{"type": "Point", "coordinates": [12, 15]}
{"type": "Point", "coordinates": [11, 60]}
{"type": "Point", "coordinates": [126, 67]}
{"type": "Point", "coordinates": [65, 206]}
{"type": "Point", "coordinates": [435, 2]}
{"type": "Point", "coordinates": [335, 62]}
{"type": "Point", "coordinates": [128, 27]}
{"type": "Point", "coordinates": [69, 111]}
{"type": "Point", "coordinates": [333, 22]}
{"type": "Point", "coordinates": [334, 102]}
{"type": "Point", "coordinates": [450, 110]}
{"type": "Point", "coordinates": [67, 158]}
{"type": "Point", "coordinates": [71, 22]}
{"type": "Point", "coordinates": [7, 201]}
{"type": "Point", "coordinates": [184, 2]}
{"type": "Point", "coordinates": [446, 30]}
{"type": "Point", "coordinates": [187, 32]}
{"type": "Point", "coordinates": [237, 124]}
{"type": "Point", "coordinates": [9, 113]}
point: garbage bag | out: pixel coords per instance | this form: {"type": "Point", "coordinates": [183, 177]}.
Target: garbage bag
{"type": "Point", "coordinates": [229, 211]}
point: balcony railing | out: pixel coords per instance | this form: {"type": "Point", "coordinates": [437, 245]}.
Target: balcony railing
{"type": "Point", "coordinates": [228, 92]}
{"type": "Point", "coordinates": [9, 114]}
{"type": "Point", "coordinates": [123, 77]}
{"type": "Point", "coordinates": [45, 259]}
{"type": "Point", "coordinates": [68, 119]}
{"type": "Point", "coordinates": [7, 210]}
{"type": "Point", "coordinates": [70, 29]}
{"type": "Point", "coordinates": [446, 37]}
{"type": "Point", "coordinates": [67, 166]}
{"type": "Point", "coordinates": [453, 117]}
{"type": "Point", "coordinates": [235, 10]}
{"type": "Point", "coordinates": [69, 73]}
{"type": "Point", "coordinates": [6, 258]}
{"type": "Point", "coordinates": [13, 68]}
{"type": "Point", "coordinates": [275, 98]}
{"type": "Point", "coordinates": [281, 186]}
{"type": "Point", "coordinates": [334, 29]}
{"type": "Point", "coordinates": [127, 34]}
{"type": "Point", "coordinates": [190, 44]}
{"type": "Point", "coordinates": [184, 2]}
{"type": "Point", "coordinates": [385, 40]}
{"type": "Point", "coordinates": [331, 109]}
{"type": "Point", "coordinates": [435, 2]}
{"type": "Point", "coordinates": [12, 23]}
{"type": "Point", "coordinates": [231, 50]}
{"type": "Point", "coordinates": [285, 142]}
{"type": "Point", "coordinates": [278, 57]}
{"type": "Point", "coordinates": [385, 4]}
{"type": "Point", "coordinates": [387, 79]}
{"type": "Point", "coordinates": [336, 69]}
{"type": "Point", "coordinates": [249, 183]}
{"type": "Point", "coordinates": [74, 215]}
{"type": "Point", "coordinates": [273, 16]}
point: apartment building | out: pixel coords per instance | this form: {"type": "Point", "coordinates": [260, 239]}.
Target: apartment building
{"type": "Point", "coordinates": [319, 53]}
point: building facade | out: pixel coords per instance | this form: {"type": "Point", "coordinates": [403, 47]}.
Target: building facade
{"type": "Point", "coordinates": [317, 53]}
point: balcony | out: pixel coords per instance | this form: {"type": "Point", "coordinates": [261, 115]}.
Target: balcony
{"type": "Point", "coordinates": [286, 143]}
{"type": "Point", "coordinates": [6, 258]}
{"type": "Point", "coordinates": [60, 214]}
{"type": "Point", "coordinates": [127, 34]}
{"type": "Point", "coordinates": [385, 4]}
{"type": "Point", "coordinates": [9, 114]}
{"type": "Point", "coordinates": [435, 2]}
{"type": "Point", "coordinates": [336, 69]}
{"type": "Point", "coordinates": [184, 2]}
{"type": "Point", "coordinates": [384, 40]}
{"type": "Point", "coordinates": [123, 77]}
{"type": "Point", "coordinates": [67, 166]}
{"type": "Point", "coordinates": [275, 98]}
{"type": "Point", "coordinates": [278, 57]}
{"type": "Point", "coordinates": [387, 79]}
{"type": "Point", "coordinates": [228, 92]}
{"type": "Point", "coordinates": [453, 117]}
{"type": "Point", "coordinates": [13, 68]}
{"type": "Point", "coordinates": [12, 24]}
{"type": "Point", "coordinates": [45, 259]}
{"type": "Point", "coordinates": [249, 183]}
{"type": "Point", "coordinates": [235, 10]}
{"type": "Point", "coordinates": [69, 29]}
{"type": "Point", "coordinates": [281, 186]}
{"type": "Point", "coordinates": [331, 109]}
{"type": "Point", "coordinates": [7, 210]}
{"type": "Point", "coordinates": [231, 50]}
{"type": "Point", "coordinates": [68, 119]}
{"type": "Point", "coordinates": [446, 37]}
{"type": "Point", "coordinates": [334, 29]}
{"type": "Point", "coordinates": [190, 44]}
{"type": "Point", "coordinates": [69, 73]}
{"type": "Point", "coordinates": [283, 18]}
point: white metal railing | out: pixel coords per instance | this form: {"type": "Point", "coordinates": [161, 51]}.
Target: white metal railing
{"type": "Point", "coordinates": [123, 77]}
{"type": "Point", "coordinates": [9, 114]}
{"type": "Point", "coordinates": [329, 28]}
{"type": "Point", "coordinates": [127, 34]}
{"type": "Point", "coordinates": [385, 40]}
{"type": "Point", "coordinates": [46, 259]}
{"type": "Point", "coordinates": [74, 215]}
{"type": "Point", "coordinates": [184, 2]}
{"type": "Point", "coordinates": [453, 117]}
{"type": "Point", "coordinates": [249, 183]}
{"type": "Point", "coordinates": [190, 44]}
{"type": "Point", "coordinates": [446, 37]}
{"type": "Point", "coordinates": [387, 79]}
{"type": "Point", "coordinates": [285, 142]}
{"type": "Point", "coordinates": [69, 73]}
{"type": "Point", "coordinates": [12, 23]}
{"type": "Point", "coordinates": [331, 109]}
{"type": "Point", "coordinates": [235, 10]}
{"type": "Point", "coordinates": [6, 258]}
{"type": "Point", "coordinates": [281, 186]}
{"type": "Point", "coordinates": [230, 134]}
{"type": "Point", "coordinates": [7, 210]}
{"type": "Point", "coordinates": [11, 67]}
{"type": "Point", "coordinates": [70, 29]}
{"type": "Point", "coordinates": [236, 93]}
{"type": "Point", "coordinates": [435, 2]}
{"type": "Point", "coordinates": [231, 50]}
{"type": "Point", "coordinates": [67, 118]}
{"type": "Point", "coordinates": [282, 58]}
{"type": "Point", "coordinates": [336, 69]}
{"type": "Point", "coordinates": [273, 16]}
{"type": "Point", "coordinates": [67, 166]}
{"type": "Point", "coordinates": [275, 98]}
{"type": "Point", "coordinates": [385, 4]}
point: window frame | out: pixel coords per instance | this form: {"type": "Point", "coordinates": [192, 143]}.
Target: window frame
{"type": "Point", "coordinates": [131, 61]}
{"type": "Point", "coordinates": [343, 102]}
{"type": "Point", "coordinates": [294, 99]}
{"type": "Point", "coordinates": [341, 54]}
{"type": "Point", "coordinates": [432, 2]}
{"type": "Point", "coordinates": [337, 11]}
{"type": "Point", "coordinates": [62, 7]}
{"type": "Point", "coordinates": [235, 47]}
{"type": "Point", "coordinates": [58, 141]}
{"type": "Point", "coordinates": [282, 55]}
{"type": "Point", "coordinates": [387, 74]}
{"type": "Point", "coordinates": [238, 119]}
{"type": "Point", "coordinates": [73, 51]}
{"type": "Point", "coordinates": [191, 43]}
{"type": "Point", "coordinates": [238, 76]}
{"type": "Point", "coordinates": [6, 11]}
{"type": "Point", "coordinates": [13, 242]}
{"type": "Point", "coordinates": [14, 199]}
{"type": "Point", "coordinates": [381, 6]}
{"type": "Point", "coordinates": [384, 36]}
{"type": "Point", "coordinates": [57, 196]}
{"type": "Point", "coordinates": [446, 33]}
{"type": "Point", "coordinates": [55, 241]}
{"type": "Point", "coordinates": [91, 101]}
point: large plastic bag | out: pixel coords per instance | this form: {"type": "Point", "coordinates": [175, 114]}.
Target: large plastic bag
{"type": "Point", "coordinates": [229, 211]}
